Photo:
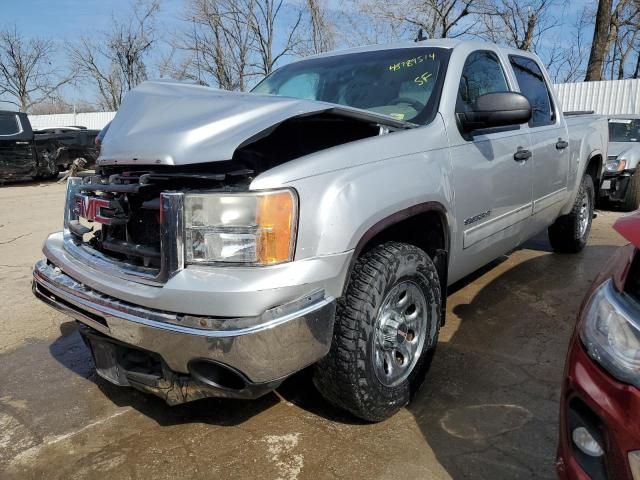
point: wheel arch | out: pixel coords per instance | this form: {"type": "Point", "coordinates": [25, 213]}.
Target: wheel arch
{"type": "Point", "coordinates": [423, 225]}
{"type": "Point", "coordinates": [595, 167]}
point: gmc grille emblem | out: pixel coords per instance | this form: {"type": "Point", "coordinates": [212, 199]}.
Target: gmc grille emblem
{"type": "Point", "coordinates": [94, 209]}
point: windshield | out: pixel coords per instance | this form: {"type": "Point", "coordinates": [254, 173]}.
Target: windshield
{"type": "Point", "coordinates": [624, 130]}
{"type": "Point", "coordinates": [402, 83]}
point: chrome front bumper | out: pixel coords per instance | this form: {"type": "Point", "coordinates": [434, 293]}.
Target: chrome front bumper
{"type": "Point", "coordinates": [263, 349]}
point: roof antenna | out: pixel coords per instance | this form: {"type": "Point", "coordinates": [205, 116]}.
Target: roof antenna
{"type": "Point", "coordinates": [420, 36]}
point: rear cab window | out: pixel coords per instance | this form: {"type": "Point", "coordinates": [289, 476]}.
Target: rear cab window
{"type": "Point", "coordinates": [9, 125]}
{"type": "Point", "coordinates": [534, 86]}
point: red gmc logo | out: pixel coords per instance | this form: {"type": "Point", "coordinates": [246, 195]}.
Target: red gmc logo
{"type": "Point", "coordinates": [91, 208]}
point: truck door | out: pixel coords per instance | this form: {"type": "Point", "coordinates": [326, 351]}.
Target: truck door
{"type": "Point", "coordinates": [492, 174]}
{"type": "Point", "coordinates": [16, 147]}
{"type": "Point", "coordinates": [549, 142]}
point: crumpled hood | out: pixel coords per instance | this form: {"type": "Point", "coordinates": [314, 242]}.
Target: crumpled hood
{"type": "Point", "coordinates": [169, 123]}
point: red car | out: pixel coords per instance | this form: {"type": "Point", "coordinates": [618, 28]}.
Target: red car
{"type": "Point", "coordinates": [600, 406]}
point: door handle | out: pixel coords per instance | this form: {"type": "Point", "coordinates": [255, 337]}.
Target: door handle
{"type": "Point", "coordinates": [562, 144]}
{"type": "Point", "coordinates": [522, 155]}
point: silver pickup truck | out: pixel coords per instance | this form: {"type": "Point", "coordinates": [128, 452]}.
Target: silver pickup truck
{"type": "Point", "coordinates": [620, 182]}
{"type": "Point", "coordinates": [228, 240]}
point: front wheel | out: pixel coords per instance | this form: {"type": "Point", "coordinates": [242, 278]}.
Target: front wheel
{"type": "Point", "coordinates": [385, 333]}
{"type": "Point", "coordinates": [569, 233]}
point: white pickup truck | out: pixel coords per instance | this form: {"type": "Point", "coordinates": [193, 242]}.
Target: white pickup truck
{"type": "Point", "coordinates": [228, 240]}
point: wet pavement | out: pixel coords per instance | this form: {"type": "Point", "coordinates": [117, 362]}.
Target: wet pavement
{"type": "Point", "coordinates": [488, 409]}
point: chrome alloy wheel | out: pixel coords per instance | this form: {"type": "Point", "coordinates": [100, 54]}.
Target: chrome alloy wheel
{"type": "Point", "coordinates": [400, 332]}
{"type": "Point", "coordinates": [583, 215]}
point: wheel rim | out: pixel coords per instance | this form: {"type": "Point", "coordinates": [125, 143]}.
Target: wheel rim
{"type": "Point", "coordinates": [583, 215]}
{"type": "Point", "coordinates": [400, 333]}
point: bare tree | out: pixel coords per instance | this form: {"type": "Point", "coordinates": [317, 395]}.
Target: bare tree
{"type": "Point", "coordinates": [131, 41]}
{"type": "Point", "coordinates": [321, 30]}
{"type": "Point", "coordinates": [27, 76]}
{"type": "Point", "coordinates": [565, 60]}
{"type": "Point", "coordinates": [217, 41]}
{"type": "Point", "coordinates": [94, 67]}
{"type": "Point", "coordinates": [115, 63]}
{"type": "Point", "coordinates": [623, 47]}
{"type": "Point", "coordinates": [610, 18]}
{"type": "Point", "coordinates": [519, 24]}
{"type": "Point", "coordinates": [436, 18]}
{"type": "Point", "coordinates": [228, 43]}
{"type": "Point", "coordinates": [265, 18]}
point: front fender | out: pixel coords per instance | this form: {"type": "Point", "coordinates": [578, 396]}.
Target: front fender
{"type": "Point", "coordinates": [346, 190]}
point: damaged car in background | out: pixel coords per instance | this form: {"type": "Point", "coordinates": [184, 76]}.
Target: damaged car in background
{"type": "Point", "coordinates": [228, 240]}
{"type": "Point", "coordinates": [25, 152]}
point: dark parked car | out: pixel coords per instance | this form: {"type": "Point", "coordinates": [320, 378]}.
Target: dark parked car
{"type": "Point", "coordinates": [599, 421]}
{"type": "Point", "coordinates": [43, 153]}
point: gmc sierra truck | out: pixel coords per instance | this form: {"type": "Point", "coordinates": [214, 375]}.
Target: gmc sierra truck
{"type": "Point", "coordinates": [25, 152]}
{"type": "Point", "coordinates": [228, 240]}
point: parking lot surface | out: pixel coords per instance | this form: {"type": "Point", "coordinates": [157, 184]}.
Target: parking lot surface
{"type": "Point", "coordinates": [488, 409]}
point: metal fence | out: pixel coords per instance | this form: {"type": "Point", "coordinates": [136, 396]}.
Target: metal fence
{"type": "Point", "coordinates": [94, 120]}
{"type": "Point", "coordinates": [608, 97]}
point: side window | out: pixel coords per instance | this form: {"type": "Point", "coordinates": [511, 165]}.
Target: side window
{"type": "Point", "coordinates": [8, 125]}
{"type": "Point", "coordinates": [533, 86]}
{"type": "Point", "coordinates": [482, 73]}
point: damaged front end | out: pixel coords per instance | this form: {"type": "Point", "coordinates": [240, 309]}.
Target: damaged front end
{"type": "Point", "coordinates": [142, 261]}
{"type": "Point", "coordinates": [127, 219]}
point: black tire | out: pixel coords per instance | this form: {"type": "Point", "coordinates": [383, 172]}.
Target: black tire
{"type": "Point", "coordinates": [632, 196]}
{"type": "Point", "coordinates": [347, 376]}
{"type": "Point", "coordinates": [567, 235]}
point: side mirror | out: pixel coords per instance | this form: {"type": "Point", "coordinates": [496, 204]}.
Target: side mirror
{"type": "Point", "coordinates": [498, 109]}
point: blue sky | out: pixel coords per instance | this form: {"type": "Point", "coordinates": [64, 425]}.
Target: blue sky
{"type": "Point", "coordinates": [62, 20]}
{"type": "Point", "coordinates": [68, 18]}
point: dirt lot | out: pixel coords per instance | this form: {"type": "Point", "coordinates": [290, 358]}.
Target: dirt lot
{"type": "Point", "coordinates": [488, 409]}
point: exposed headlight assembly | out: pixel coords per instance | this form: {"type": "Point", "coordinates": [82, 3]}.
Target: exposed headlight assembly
{"type": "Point", "coordinates": [615, 165]}
{"type": "Point", "coordinates": [611, 333]}
{"type": "Point", "coordinates": [254, 228]}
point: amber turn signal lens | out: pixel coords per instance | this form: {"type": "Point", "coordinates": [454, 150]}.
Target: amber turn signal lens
{"type": "Point", "coordinates": [276, 227]}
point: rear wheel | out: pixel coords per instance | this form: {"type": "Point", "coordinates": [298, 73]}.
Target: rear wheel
{"type": "Point", "coordinates": [570, 232]}
{"type": "Point", "coordinates": [385, 333]}
{"type": "Point", "coordinates": [632, 196]}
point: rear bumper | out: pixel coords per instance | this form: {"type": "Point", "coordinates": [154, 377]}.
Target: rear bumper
{"type": "Point", "coordinates": [609, 409]}
{"type": "Point", "coordinates": [262, 350]}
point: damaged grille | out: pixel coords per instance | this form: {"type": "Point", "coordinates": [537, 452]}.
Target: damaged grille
{"type": "Point", "coordinates": [133, 219]}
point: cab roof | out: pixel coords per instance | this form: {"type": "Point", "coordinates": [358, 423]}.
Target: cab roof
{"type": "Point", "coordinates": [447, 43]}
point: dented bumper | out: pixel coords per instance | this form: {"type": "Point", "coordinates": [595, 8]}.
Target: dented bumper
{"type": "Point", "coordinates": [203, 356]}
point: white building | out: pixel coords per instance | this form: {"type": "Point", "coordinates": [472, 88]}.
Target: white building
{"type": "Point", "coordinates": [608, 97]}
{"type": "Point", "coordinates": [93, 120]}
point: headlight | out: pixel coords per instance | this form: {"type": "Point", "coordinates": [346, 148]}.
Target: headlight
{"type": "Point", "coordinates": [247, 228]}
{"type": "Point", "coordinates": [615, 165]}
{"type": "Point", "coordinates": [611, 333]}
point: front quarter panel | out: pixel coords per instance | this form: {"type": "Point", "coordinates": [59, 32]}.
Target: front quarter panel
{"type": "Point", "coordinates": [346, 190]}
{"type": "Point", "coordinates": [588, 138]}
